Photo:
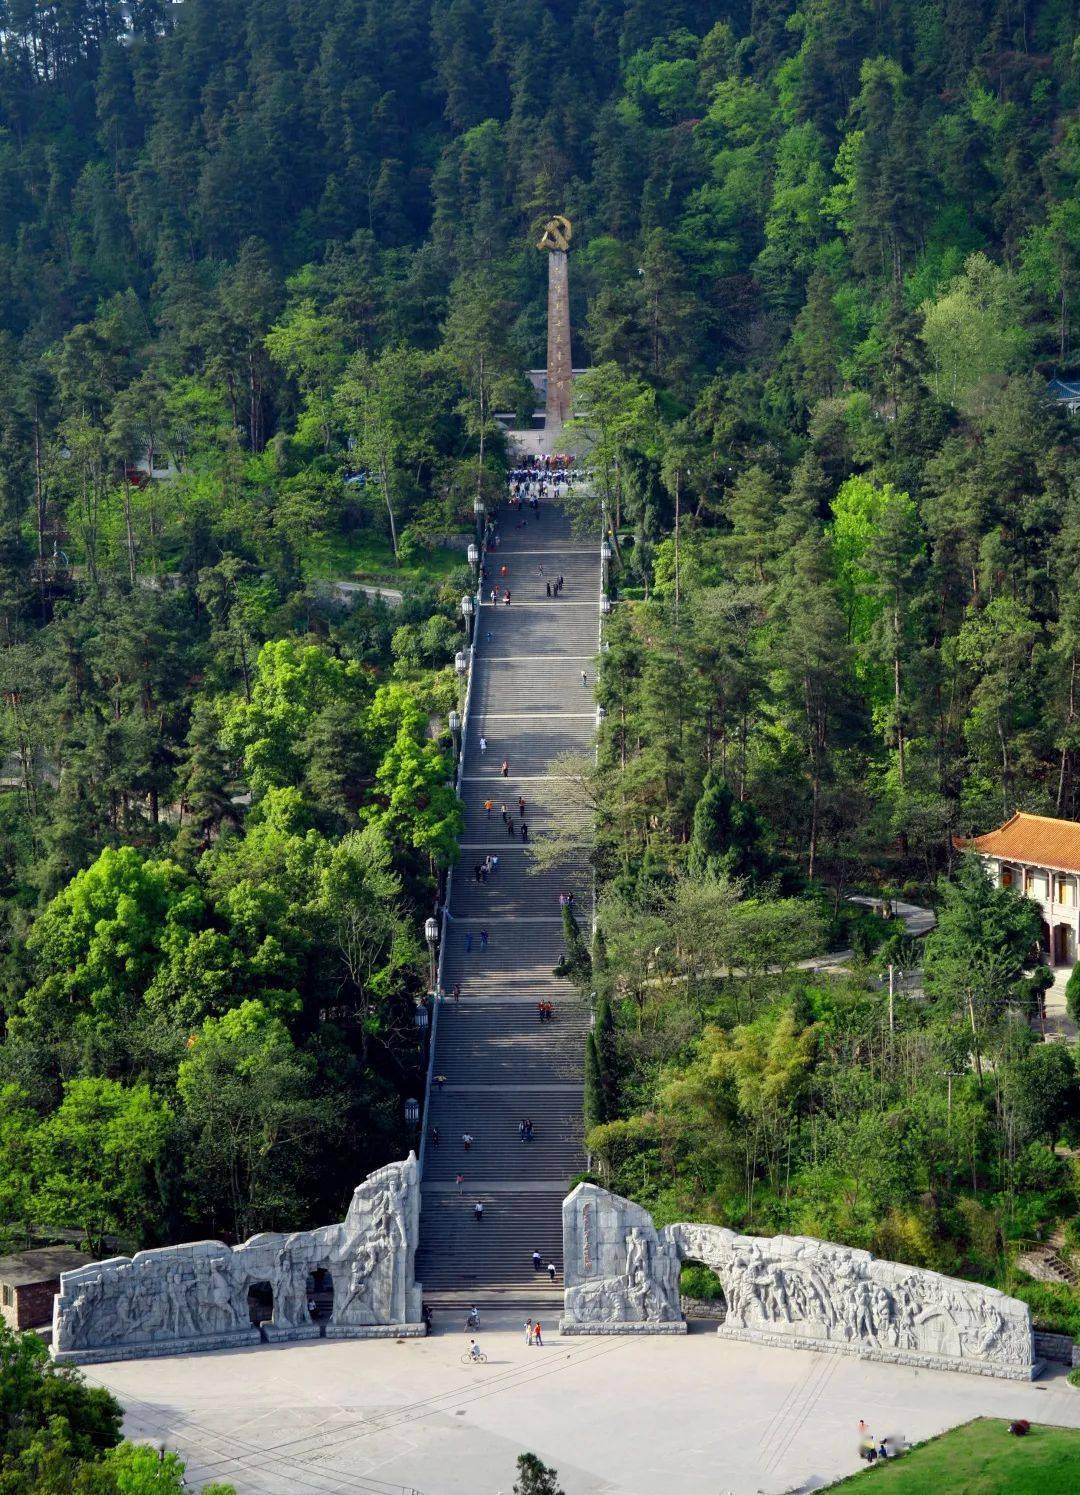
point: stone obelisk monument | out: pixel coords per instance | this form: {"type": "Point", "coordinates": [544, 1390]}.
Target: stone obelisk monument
{"type": "Point", "coordinates": [560, 376]}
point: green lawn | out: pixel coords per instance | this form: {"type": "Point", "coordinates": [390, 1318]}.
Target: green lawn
{"type": "Point", "coordinates": [980, 1458]}
{"type": "Point", "coordinates": [367, 556]}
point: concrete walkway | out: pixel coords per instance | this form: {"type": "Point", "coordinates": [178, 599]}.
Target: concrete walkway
{"type": "Point", "coordinates": [347, 590]}
{"type": "Point", "coordinates": [1059, 1025]}
{"type": "Point", "coordinates": [679, 1416]}
{"type": "Point", "coordinates": [917, 921]}
{"type": "Point", "coordinates": [500, 1063]}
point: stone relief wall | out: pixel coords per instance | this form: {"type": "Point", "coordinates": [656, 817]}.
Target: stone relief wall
{"type": "Point", "coordinates": [616, 1269]}
{"type": "Point", "coordinates": [181, 1299]}
{"type": "Point", "coordinates": [784, 1290]}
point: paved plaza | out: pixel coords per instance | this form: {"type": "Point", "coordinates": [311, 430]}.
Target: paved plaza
{"type": "Point", "coordinates": [615, 1416]}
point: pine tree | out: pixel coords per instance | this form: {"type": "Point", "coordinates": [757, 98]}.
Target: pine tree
{"type": "Point", "coordinates": [575, 962]}
{"type": "Point", "coordinates": [607, 1056]}
{"type": "Point", "coordinates": [726, 839]}
{"type": "Point", "coordinates": [204, 782]}
{"type": "Point", "coordinates": [595, 1101]}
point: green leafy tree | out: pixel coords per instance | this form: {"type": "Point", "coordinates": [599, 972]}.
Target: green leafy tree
{"type": "Point", "coordinates": [535, 1477]}
{"type": "Point", "coordinates": [575, 961]}
{"type": "Point", "coordinates": [206, 801]}
{"type": "Point", "coordinates": [374, 940]}
{"type": "Point", "coordinates": [414, 802]}
{"type": "Point", "coordinates": [1000, 645]}
{"type": "Point", "coordinates": [595, 1102]}
{"type": "Point", "coordinates": [42, 1404]}
{"type": "Point", "coordinates": [812, 654]}
{"type": "Point", "coordinates": [390, 406]}
{"type": "Point", "coordinates": [250, 1114]}
{"type": "Point", "coordinates": [615, 415]}
{"type": "Point", "coordinates": [17, 1125]}
{"type": "Point", "coordinates": [292, 682]}
{"type": "Point", "coordinates": [99, 1160]}
{"type": "Point", "coordinates": [97, 945]}
{"type": "Point", "coordinates": [974, 332]}
{"type": "Point", "coordinates": [1042, 1093]}
{"type": "Point", "coordinates": [1072, 993]}
{"type": "Point", "coordinates": [1051, 266]}
{"type": "Point", "coordinates": [478, 342]}
{"type": "Point", "coordinates": [607, 1054]}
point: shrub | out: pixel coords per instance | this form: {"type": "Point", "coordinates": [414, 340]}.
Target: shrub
{"type": "Point", "coordinates": [905, 1235]}
{"type": "Point", "coordinates": [1055, 1307]}
{"type": "Point", "coordinates": [854, 925]}
{"type": "Point", "coordinates": [697, 1281]}
{"type": "Point", "coordinates": [1072, 993]}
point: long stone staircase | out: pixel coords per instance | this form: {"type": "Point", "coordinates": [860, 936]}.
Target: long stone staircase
{"type": "Point", "coordinates": [495, 1061]}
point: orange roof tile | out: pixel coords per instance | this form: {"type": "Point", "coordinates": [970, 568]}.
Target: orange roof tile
{"type": "Point", "coordinates": [1038, 840]}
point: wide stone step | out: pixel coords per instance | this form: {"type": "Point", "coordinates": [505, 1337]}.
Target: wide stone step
{"type": "Point", "coordinates": [520, 893]}
{"type": "Point", "coordinates": [550, 630]}
{"type": "Point", "coordinates": [548, 531]}
{"type": "Point", "coordinates": [536, 689]}
{"type": "Point", "coordinates": [457, 1251]}
{"type": "Point", "coordinates": [506, 1042]}
{"type": "Point", "coordinates": [579, 571]}
{"type": "Point", "coordinates": [511, 966]}
{"type": "Point", "coordinates": [547, 805]}
{"type": "Point", "coordinates": [529, 748]}
{"type": "Point", "coordinates": [495, 1060]}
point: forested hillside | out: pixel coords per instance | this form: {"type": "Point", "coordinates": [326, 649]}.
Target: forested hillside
{"type": "Point", "coordinates": [826, 255]}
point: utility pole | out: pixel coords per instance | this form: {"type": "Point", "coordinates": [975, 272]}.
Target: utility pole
{"type": "Point", "coordinates": [950, 1075]}
{"type": "Point", "coordinates": [678, 490]}
{"type": "Point", "coordinates": [894, 972]}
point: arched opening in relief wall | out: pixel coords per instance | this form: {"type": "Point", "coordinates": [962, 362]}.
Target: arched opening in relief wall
{"type": "Point", "coordinates": [260, 1299]}
{"type": "Point", "coordinates": [320, 1295]}
{"type": "Point", "coordinates": [701, 1293]}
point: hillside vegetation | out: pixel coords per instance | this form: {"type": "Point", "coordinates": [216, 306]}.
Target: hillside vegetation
{"type": "Point", "coordinates": [826, 255]}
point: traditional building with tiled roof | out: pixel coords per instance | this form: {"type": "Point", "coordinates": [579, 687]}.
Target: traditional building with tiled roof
{"type": "Point", "coordinates": [1039, 857]}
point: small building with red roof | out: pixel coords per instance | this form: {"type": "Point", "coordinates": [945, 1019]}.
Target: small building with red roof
{"type": "Point", "coordinates": [1039, 856]}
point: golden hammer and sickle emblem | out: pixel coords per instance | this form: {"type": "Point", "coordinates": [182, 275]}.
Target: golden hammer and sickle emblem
{"type": "Point", "coordinates": [557, 234]}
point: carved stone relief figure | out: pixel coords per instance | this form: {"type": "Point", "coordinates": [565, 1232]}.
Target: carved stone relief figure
{"type": "Point", "coordinates": [218, 1293]}
{"type": "Point", "coordinates": [358, 1306]}
{"type": "Point", "coordinates": [82, 1309]}
{"type": "Point", "coordinates": [793, 1290]}
{"type": "Point", "coordinates": [290, 1285]}
{"type": "Point", "coordinates": [181, 1295]}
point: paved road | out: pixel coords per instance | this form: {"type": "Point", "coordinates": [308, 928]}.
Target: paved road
{"type": "Point", "coordinates": [392, 596]}
{"type": "Point", "coordinates": [917, 921]}
{"type": "Point", "coordinates": [501, 1064]}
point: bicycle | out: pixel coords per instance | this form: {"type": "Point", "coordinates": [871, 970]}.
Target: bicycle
{"type": "Point", "coordinates": [470, 1359]}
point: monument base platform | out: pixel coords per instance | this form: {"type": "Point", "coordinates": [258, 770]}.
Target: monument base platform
{"type": "Point", "coordinates": [571, 1327]}
{"type": "Point", "coordinates": [288, 1334]}
{"type": "Point", "coordinates": [236, 1339]}
{"type": "Point", "coordinates": [889, 1356]}
{"type": "Point", "coordinates": [375, 1331]}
